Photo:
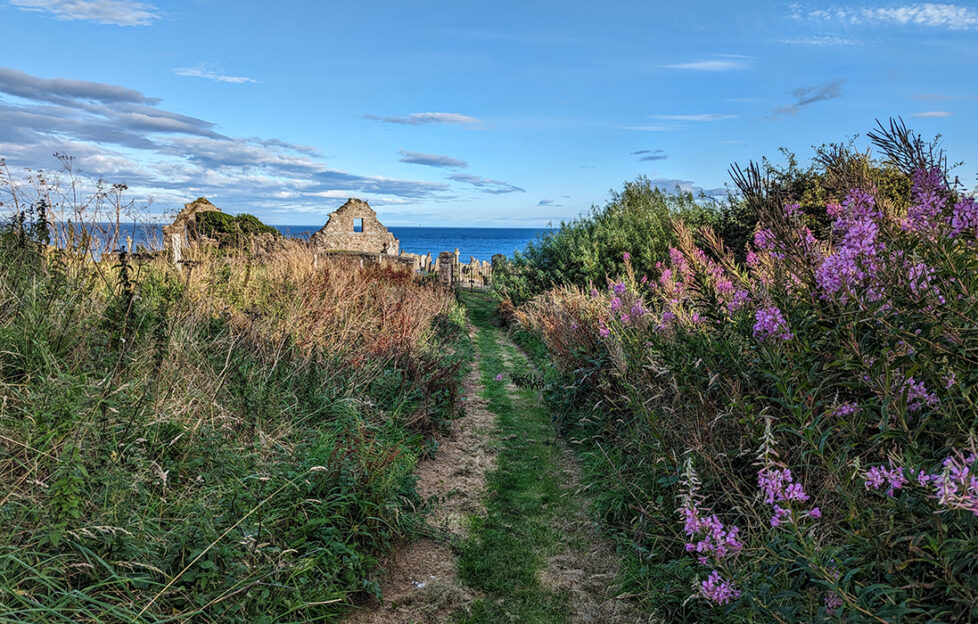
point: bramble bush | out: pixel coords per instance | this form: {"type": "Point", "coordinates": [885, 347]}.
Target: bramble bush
{"type": "Point", "coordinates": [791, 438]}
{"type": "Point", "coordinates": [235, 442]}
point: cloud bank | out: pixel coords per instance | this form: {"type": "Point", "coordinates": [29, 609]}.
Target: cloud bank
{"type": "Point", "coordinates": [125, 136]}
{"type": "Point", "coordinates": [117, 12]}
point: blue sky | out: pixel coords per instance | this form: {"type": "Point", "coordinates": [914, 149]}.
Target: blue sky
{"type": "Point", "coordinates": [465, 113]}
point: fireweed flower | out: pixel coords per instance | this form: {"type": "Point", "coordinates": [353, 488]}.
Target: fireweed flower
{"type": "Point", "coordinates": [854, 263]}
{"type": "Point", "coordinates": [845, 409]}
{"type": "Point", "coordinates": [764, 239]}
{"type": "Point", "coordinates": [964, 217]}
{"type": "Point", "coordinates": [771, 324]}
{"type": "Point", "coordinates": [917, 395]}
{"type": "Point", "coordinates": [927, 199]}
{"type": "Point", "coordinates": [778, 486]}
{"type": "Point", "coordinates": [832, 602]}
{"type": "Point", "coordinates": [740, 298]}
{"type": "Point", "coordinates": [718, 590]}
{"type": "Point", "coordinates": [709, 539]}
{"type": "Point", "coordinates": [637, 311]}
{"type": "Point", "coordinates": [877, 476]}
{"type": "Point", "coordinates": [626, 256]}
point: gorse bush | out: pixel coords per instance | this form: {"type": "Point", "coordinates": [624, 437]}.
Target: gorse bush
{"type": "Point", "coordinates": [791, 438]}
{"type": "Point", "coordinates": [232, 443]}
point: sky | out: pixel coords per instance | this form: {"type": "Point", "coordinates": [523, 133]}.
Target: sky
{"type": "Point", "coordinates": [495, 114]}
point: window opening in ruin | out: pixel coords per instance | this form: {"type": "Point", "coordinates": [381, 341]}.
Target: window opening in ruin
{"type": "Point", "coordinates": [358, 225]}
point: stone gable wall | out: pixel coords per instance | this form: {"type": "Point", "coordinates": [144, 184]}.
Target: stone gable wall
{"type": "Point", "coordinates": [338, 234]}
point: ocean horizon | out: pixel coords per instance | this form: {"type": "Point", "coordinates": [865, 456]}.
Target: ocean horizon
{"type": "Point", "coordinates": [472, 242]}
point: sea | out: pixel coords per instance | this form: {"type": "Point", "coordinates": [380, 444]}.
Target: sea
{"type": "Point", "coordinates": [480, 243]}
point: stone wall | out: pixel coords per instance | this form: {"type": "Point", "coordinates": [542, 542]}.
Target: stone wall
{"type": "Point", "coordinates": [338, 234]}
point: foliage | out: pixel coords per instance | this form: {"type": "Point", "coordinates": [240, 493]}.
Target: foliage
{"type": "Point", "coordinates": [588, 249]}
{"type": "Point", "coordinates": [791, 436]}
{"type": "Point", "coordinates": [230, 229]}
{"type": "Point", "coordinates": [233, 443]}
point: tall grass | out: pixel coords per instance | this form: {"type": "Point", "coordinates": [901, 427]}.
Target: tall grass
{"type": "Point", "coordinates": [234, 442]}
{"type": "Point", "coordinates": [791, 438]}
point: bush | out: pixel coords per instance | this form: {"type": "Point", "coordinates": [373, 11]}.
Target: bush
{"type": "Point", "coordinates": [228, 229]}
{"type": "Point", "coordinates": [793, 436]}
{"type": "Point", "coordinates": [589, 249]}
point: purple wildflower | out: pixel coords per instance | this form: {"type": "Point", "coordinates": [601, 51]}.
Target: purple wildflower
{"type": "Point", "coordinates": [771, 324]}
{"type": "Point", "coordinates": [626, 256]}
{"type": "Point", "coordinates": [792, 210]}
{"type": "Point", "coordinates": [964, 217]}
{"type": "Point", "coordinates": [764, 239]}
{"type": "Point", "coordinates": [877, 476]}
{"type": "Point", "coordinates": [739, 299]}
{"type": "Point", "coordinates": [845, 409]}
{"type": "Point", "coordinates": [637, 311]}
{"type": "Point", "coordinates": [918, 395]}
{"type": "Point", "coordinates": [928, 195]}
{"type": "Point", "coordinates": [615, 304]}
{"type": "Point", "coordinates": [718, 590]}
{"type": "Point", "coordinates": [499, 377]}
{"type": "Point", "coordinates": [619, 288]}
{"type": "Point", "coordinates": [854, 262]}
{"type": "Point", "coordinates": [832, 602]}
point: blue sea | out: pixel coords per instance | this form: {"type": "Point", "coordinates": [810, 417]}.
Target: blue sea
{"type": "Point", "coordinates": [482, 243]}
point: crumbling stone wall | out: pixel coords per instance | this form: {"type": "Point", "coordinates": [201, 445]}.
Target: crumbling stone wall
{"type": "Point", "coordinates": [338, 234]}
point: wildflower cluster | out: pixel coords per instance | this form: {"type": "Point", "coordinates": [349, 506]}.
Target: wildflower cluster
{"type": "Point", "coordinates": [954, 487]}
{"type": "Point", "coordinates": [709, 539]}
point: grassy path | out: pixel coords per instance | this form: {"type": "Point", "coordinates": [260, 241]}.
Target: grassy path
{"type": "Point", "coordinates": [508, 549]}
{"type": "Point", "coordinates": [529, 554]}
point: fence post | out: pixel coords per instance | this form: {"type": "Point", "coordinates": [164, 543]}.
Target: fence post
{"type": "Point", "coordinates": [176, 241]}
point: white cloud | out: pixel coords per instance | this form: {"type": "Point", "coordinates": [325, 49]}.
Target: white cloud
{"type": "Point", "coordinates": [431, 160]}
{"type": "Point", "coordinates": [932, 114]}
{"type": "Point", "coordinates": [723, 62]}
{"type": "Point", "coordinates": [201, 72]}
{"type": "Point", "coordinates": [118, 12]}
{"type": "Point", "coordinates": [822, 40]}
{"type": "Point", "coordinates": [929, 14]}
{"type": "Point", "coordinates": [650, 128]}
{"type": "Point", "coordinates": [422, 119]}
{"type": "Point", "coordinates": [700, 117]}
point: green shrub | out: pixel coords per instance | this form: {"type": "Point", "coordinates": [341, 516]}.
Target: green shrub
{"type": "Point", "coordinates": [230, 229]}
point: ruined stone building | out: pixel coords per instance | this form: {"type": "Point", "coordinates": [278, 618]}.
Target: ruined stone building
{"type": "Point", "coordinates": [354, 227]}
